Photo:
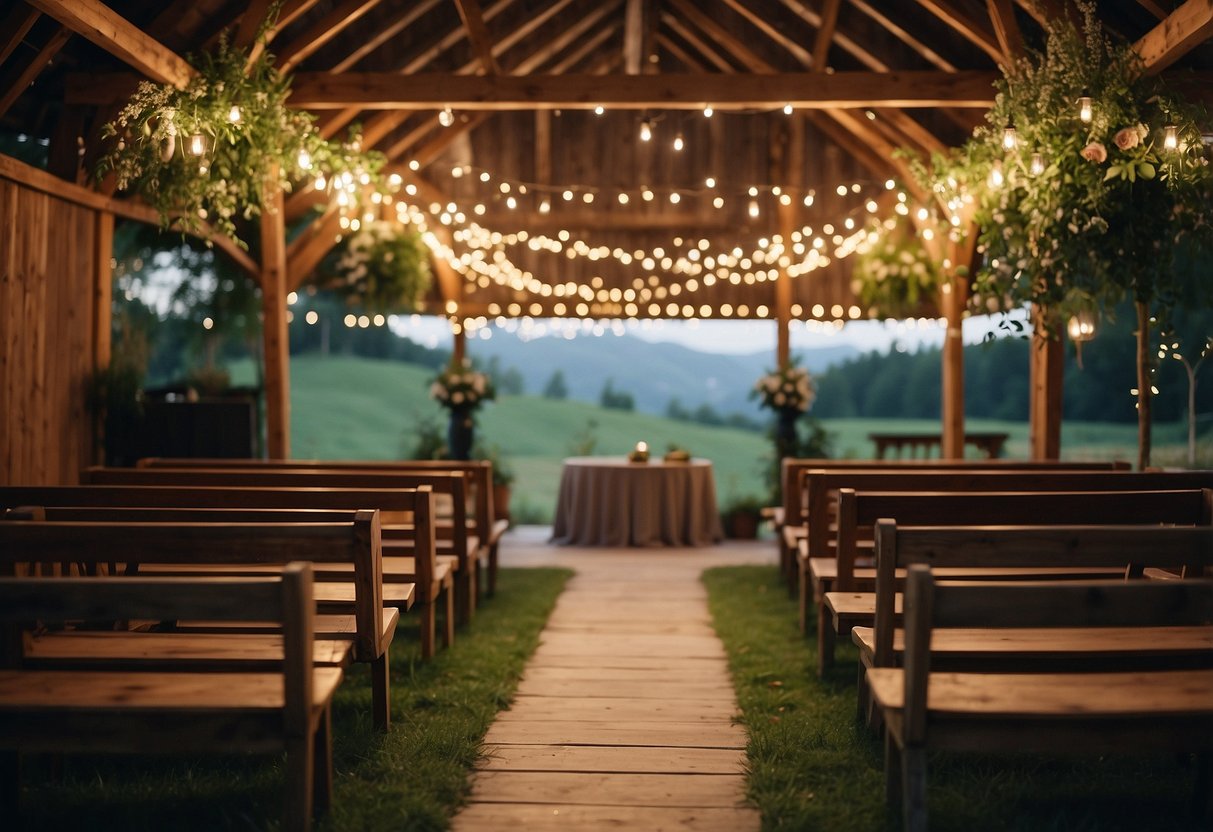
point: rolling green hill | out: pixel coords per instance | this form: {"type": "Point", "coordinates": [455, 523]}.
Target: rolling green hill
{"type": "Point", "coordinates": [359, 408]}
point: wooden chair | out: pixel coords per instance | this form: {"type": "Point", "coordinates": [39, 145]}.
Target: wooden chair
{"type": "Point", "coordinates": [1048, 712]}
{"type": "Point", "coordinates": [153, 712]}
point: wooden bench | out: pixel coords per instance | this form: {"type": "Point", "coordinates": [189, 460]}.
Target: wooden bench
{"type": "Point", "coordinates": [1049, 712]}
{"type": "Point", "coordinates": [791, 522]}
{"type": "Point", "coordinates": [952, 550]}
{"type": "Point", "coordinates": [451, 485]}
{"type": "Point", "coordinates": [242, 549]}
{"type": "Point", "coordinates": [989, 443]}
{"type": "Point", "coordinates": [109, 711]}
{"type": "Point", "coordinates": [486, 526]}
{"type": "Point", "coordinates": [852, 601]}
{"type": "Point", "coordinates": [816, 563]}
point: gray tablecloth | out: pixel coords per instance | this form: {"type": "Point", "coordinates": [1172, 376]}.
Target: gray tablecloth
{"type": "Point", "coordinates": [607, 501]}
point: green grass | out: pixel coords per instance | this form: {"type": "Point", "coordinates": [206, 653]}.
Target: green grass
{"type": "Point", "coordinates": [411, 778]}
{"type": "Point", "coordinates": [812, 765]}
{"type": "Point", "coordinates": [360, 408]}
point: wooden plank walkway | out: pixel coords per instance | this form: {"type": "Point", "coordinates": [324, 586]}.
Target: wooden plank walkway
{"type": "Point", "coordinates": [623, 719]}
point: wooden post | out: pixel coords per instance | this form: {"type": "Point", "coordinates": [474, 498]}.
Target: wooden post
{"type": "Point", "coordinates": [788, 144]}
{"type": "Point", "coordinates": [955, 297]}
{"type": "Point", "coordinates": [274, 333]}
{"type": "Point", "coordinates": [103, 289]}
{"type": "Point", "coordinates": [1045, 369]}
{"type": "Point", "coordinates": [1145, 387]}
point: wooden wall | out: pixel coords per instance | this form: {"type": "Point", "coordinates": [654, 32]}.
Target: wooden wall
{"type": "Point", "coordinates": [47, 248]}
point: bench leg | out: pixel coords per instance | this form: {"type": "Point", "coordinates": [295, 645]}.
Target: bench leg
{"type": "Point", "coordinates": [381, 705]}
{"type": "Point", "coordinates": [914, 789]}
{"type": "Point", "coordinates": [892, 771]}
{"type": "Point", "coordinates": [492, 577]}
{"type": "Point", "coordinates": [465, 593]}
{"type": "Point", "coordinates": [1202, 798]}
{"type": "Point", "coordinates": [429, 628]}
{"type": "Point", "coordinates": [322, 755]}
{"type": "Point", "coordinates": [448, 618]}
{"type": "Point", "coordinates": [10, 783]}
{"type": "Point", "coordinates": [300, 782]}
{"type": "Point", "coordinates": [825, 640]}
{"type": "Point", "coordinates": [802, 570]}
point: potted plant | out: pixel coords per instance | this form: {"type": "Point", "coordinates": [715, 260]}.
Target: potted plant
{"type": "Point", "coordinates": [503, 478]}
{"type": "Point", "coordinates": [741, 516]}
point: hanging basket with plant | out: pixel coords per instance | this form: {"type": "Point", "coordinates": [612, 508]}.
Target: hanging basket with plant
{"type": "Point", "coordinates": [381, 267]}
{"type": "Point", "coordinates": [893, 275]}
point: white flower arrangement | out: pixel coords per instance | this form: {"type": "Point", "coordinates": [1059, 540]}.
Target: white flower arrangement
{"type": "Point", "coordinates": [788, 388]}
{"type": "Point", "coordinates": [461, 388]}
{"type": "Point", "coordinates": [384, 267]}
{"type": "Point", "coordinates": [892, 274]}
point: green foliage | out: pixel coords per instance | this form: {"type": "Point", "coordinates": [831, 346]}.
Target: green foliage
{"type": "Point", "coordinates": [892, 273]}
{"type": "Point", "coordinates": [556, 388]}
{"type": "Point", "coordinates": [585, 440]}
{"type": "Point", "coordinates": [381, 268]}
{"type": "Point", "coordinates": [613, 399]}
{"type": "Point", "coordinates": [212, 151]}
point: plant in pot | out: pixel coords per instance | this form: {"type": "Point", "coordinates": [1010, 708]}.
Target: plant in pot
{"type": "Point", "coordinates": [503, 478]}
{"type": "Point", "coordinates": [741, 516]}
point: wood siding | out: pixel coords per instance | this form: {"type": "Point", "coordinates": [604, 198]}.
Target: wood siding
{"type": "Point", "coordinates": [46, 336]}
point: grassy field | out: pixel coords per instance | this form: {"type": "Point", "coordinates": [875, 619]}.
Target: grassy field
{"type": "Point", "coordinates": [358, 408]}
{"type": "Point", "coordinates": [813, 765]}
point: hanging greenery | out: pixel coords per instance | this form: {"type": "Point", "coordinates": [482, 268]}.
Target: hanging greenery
{"type": "Point", "coordinates": [892, 273]}
{"type": "Point", "coordinates": [381, 267]}
{"type": "Point", "coordinates": [211, 151]}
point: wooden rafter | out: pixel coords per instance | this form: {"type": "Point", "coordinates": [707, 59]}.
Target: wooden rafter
{"type": "Point", "coordinates": [306, 251]}
{"type": "Point", "coordinates": [762, 24]}
{"type": "Point", "coordinates": [31, 70]}
{"type": "Point", "coordinates": [633, 36]}
{"type": "Point", "coordinates": [825, 35]}
{"type": "Point", "coordinates": [971, 28]}
{"type": "Point", "coordinates": [674, 48]}
{"type": "Point", "coordinates": [679, 28]}
{"type": "Point", "coordinates": [322, 31]}
{"type": "Point", "coordinates": [726, 91]}
{"type": "Point", "coordinates": [385, 33]}
{"type": "Point", "coordinates": [1153, 8]}
{"type": "Point", "coordinates": [847, 44]}
{"type": "Point", "coordinates": [1181, 31]}
{"type": "Point", "coordinates": [899, 32]}
{"type": "Point", "coordinates": [477, 34]}
{"type": "Point", "coordinates": [560, 42]}
{"type": "Point", "coordinates": [716, 30]}
{"type": "Point", "coordinates": [1006, 29]}
{"type": "Point", "coordinates": [15, 26]}
{"type": "Point", "coordinates": [432, 149]}
{"type": "Point", "coordinates": [588, 46]}
{"type": "Point", "coordinates": [98, 23]}
{"type": "Point", "coordinates": [250, 23]}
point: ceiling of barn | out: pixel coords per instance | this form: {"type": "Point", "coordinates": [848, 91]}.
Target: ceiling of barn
{"type": "Point", "coordinates": [548, 207]}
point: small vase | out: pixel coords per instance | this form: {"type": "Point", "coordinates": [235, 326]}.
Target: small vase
{"type": "Point", "coordinates": [459, 433]}
{"type": "Point", "coordinates": [785, 432]}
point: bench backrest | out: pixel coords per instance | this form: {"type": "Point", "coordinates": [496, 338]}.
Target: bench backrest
{"type": "Point", "coordinates": [478, 473]}
{"type": "Point", "coordinates": [858, 512]}
{"type": "Point", "coordinates": [1130, 547]}
{"type": "Point", "coordinates": [285, 600]}
{"type": "Point", "coordinates": [1073, 604]}
{"type": "Point", "coordinates": [822, 485]}
{"type": "Point", "coordinates": [134, 543]}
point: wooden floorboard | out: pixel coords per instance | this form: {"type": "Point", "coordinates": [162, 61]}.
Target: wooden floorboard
{"type": "Point", "coordinates": [625, 715]}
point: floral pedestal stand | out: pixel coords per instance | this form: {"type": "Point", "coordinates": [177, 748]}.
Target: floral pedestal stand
{"type": "Point", "coordinates": [459, 434]}
{"type": "Point", "coordinates": [785, 432]}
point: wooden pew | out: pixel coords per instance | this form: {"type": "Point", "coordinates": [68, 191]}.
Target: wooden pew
{"type": "Point", "coordinates": [790, 518]}
{"type": "Point", "coordinates": [852, 601]}
{"type": "Point", "coordinates": [155, 712]}
{"type": "Point", "coordinates": [1050, 712]}
{"type": "Point", "coordinates": [232, 548]}
{"type": "Point", "coordinates": [816, 563]}
{"type": "Point", "coordinates": [486, 526]}
{"type": "Point", "coordinates": [450, 484]}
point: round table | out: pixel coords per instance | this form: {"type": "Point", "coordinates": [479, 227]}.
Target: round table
{"type": "Point", "coordinates": [609, 501]}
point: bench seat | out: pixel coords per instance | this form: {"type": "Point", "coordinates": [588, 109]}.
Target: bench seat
{"type": "Point", "coordinates": [125, 650]}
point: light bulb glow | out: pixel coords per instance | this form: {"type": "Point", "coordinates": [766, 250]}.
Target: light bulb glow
{"type": "Point", "coordinates": [646, 131]}
{"type": "Point", "coordinates": [446, 118]}
{"type": "Point", "coordinates": [1037, 165]}
{"type": "Point", "coordinates": [753, 209]}
{"type": "Point", "coordinates": [996, 178]}
{"type": "Point", "coordinates": [1085, 110]}
{"type": "Point", "coordinates": [599, 110]}
{"type": "Point", "coordinates": [305, 159]}
{"type": "Point", "coordinates": [197, 145]}
{"type": "Point", "coordinates": [1009, 138]}
{"type": "Point", "coordinates": [678, 142]}
{"type": "Point", "coordinates": [787, 109]}
{"type": "Point", "coordinates": [1170, 137]}
{"type": "Point", "coordinates": [707, 111]}
{"type": "Point", "coordinates": [233, 115]}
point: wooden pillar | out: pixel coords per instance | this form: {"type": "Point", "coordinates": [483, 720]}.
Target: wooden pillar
{"type": "Point", "coordinates": [274, 333]}
{"type": "Point", "coordinates": [103, 289]}
{"type": "Point", "coordinates": [788, 143]}
{"type": "Point", "coordinates": [954, 299]}
{"type": "Point", "coordinates": [1045, 366]}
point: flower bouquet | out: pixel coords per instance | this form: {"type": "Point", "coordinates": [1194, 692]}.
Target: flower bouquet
{"type": "Point", "coordinates": [461, 390]}
{"type": "Point", "coordinates": [788, 388]}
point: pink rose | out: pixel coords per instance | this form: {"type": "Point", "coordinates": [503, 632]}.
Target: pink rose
{"type": "Point", "coordinates": [1127, 138]}
{"type": "Point", "coordinates": [1095, 152]}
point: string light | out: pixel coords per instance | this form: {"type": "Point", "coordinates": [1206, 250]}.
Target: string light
{"type": "Point", "coordinates": [197, 144]}
{"type": "Point", "coordinates": [1085, 111]}
{"type": "Point", "coordinates": [305, 159]}
{"type": "Point", "coordinates": [646, 130]}
{"type": "Point", "coordinates": [233, 115]}
{"type": "Point", "coordinates": [753, 209]}
{"type": "Point", "coordinates": [787, 109]}
{"type": "Point", "coordinates": [446, 118]}
{"type": "Point", "coordinates": [707, 111]}
{"type": "Point", "coordinates": [1170, 137]}
{"type": "Point", "coordinates": [599, 110]}
{"type": "Point", "coordinates": [996, 178]}
{"type": "Point", "coordinates": [1009, 137]}
{"type": "Point", "coordinates": [1037, 165]}
{"type": "Point", "coordinates": [678, 142]}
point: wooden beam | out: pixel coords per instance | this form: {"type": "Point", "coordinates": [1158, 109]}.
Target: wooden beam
{"type": "Point", "coordinates": [478, 34]}
{"type": "Point", "coordinates": [679, 28]}
{"type": "Point", "coordinates": [960, 21]}
{"type": "Point", "coordinates": [762, 24]}
{"type": "Point", "coordinates": [788, 166]}
{"type": "Point", "coordinates": [385, 33]}
{"type": "Point", "coordinates": [1153, 8]}
{"type": "Point", "coordinates": [683, 56]}
{"type": "Point", "coordinates": [31, 71]}
{"type": "Point", "coordinates": [954, 300]}
{"type": "Point", "coordinates": [250, 24]}
{"type": "Point", "coordinates": [113, 33]}
{"type": "Point", "coordinates": [307, 250]}
{"type": "Point", "coordinates": [864, 56]}
{"type": "Point", "coordinates": [275, 339]}
{"type": "Point", "coordinates": [1006, 29]}
{"type": "Point", "coordinates": [589, 45]}
{"type": "Point", "coordinates": [1185, 28]}
{"type": "Point", "coordinates": [825, 34]}
{"type": "Point", "coordinates": [633, 36]}
{"type": "Point", "coordinates": [899, 32]}
{"type": "Point", "coordinates": [322, 31]}
{"type": "Point", "coordinates": [911, 130]}
{"type": "Point", "coordinates": [375, 90]}
{"type": "Point", "coordinates": [555, 45]}
{"type": "Point", "coordinates": [103, 288]}
{"type": "Point", "coordinates": [432, 149]}
{"type": "Point", "coordinates": [15, 26]}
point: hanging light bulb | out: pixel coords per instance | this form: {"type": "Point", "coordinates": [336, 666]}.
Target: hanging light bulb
{"type": "Point", "coordinates": [233, 115]}
{"type": "Point", "coordinates": [787, 109]}
{"type": "Point", "coordinates": [710, 182]}
{"type": "Point", "coordinates": [305, 159]}
{"type": "Point", "coordinates": [1084, 108]}
{"type": "Point", "coordinates": [599, 110]}
{"type": "Point", "coordinates": [996, 178]}
{"type": "Point", "coordinates": [545, 206]}
{"type": "Point", "coordinates": [197, 145]}
{"type": "Point", "coordinates": [753, 210]}
{"type": "Point", "coordinates": [446, 118]}
{"type": "Point", "coordinates": [1037, 165]}
{"type": "Point", "coordinates": [707, 111]}
{"type": "Point", "coordinates": [1170, 137]}
{"type": "Point", "coordinates": [1081, 327]}
{"type": "Point", "coordinates": [678, 143]}
{"type": "Point", "coordinates": [646, 130]}
{"type": "Point", "coordinates": [1009, 137]}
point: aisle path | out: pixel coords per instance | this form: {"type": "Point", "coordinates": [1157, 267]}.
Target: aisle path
{"type": "Point", "coordinates": [623, 719]}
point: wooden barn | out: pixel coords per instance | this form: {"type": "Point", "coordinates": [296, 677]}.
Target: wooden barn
{"type": "Point", "coordinates": [577, 159]}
